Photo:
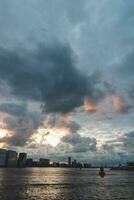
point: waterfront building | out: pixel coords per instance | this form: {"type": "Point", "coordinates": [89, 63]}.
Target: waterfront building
{"type": "Point", "coordinates": [56, 164]}
{"type": "Point", "coordinates": [87, 165]}
{"type": "Point", "coordinates": [3, 157]}
{"type": "Point", "coordinates": [74, 163]}
{"type": "Point", "coordinates": [29, 162]}
{"type": "Point", "coordinates": [22, 160]}
{"type": "Point", "coordinates": [35, 163]}
{"type": "Point", "coordinates": [69, 161]}
{"type": "Point", "coordinates": [12, 159]}
{"type": "Point", "coordinates": [130, 164]}
{"type": "Point", "coordinates": [63, 165]}
{"type": "Point", "coordinates": [44, 162]}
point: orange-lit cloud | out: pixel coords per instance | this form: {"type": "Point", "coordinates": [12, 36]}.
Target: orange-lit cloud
{"type": "Point", "coordinates": [55, 127]}
{"type": "Point", "coordinates": [60, 124]}
{"type": "Point", "coordinates": [66, 118]}
{"type": "Point", "coordinates": [3, 130]}
{"type": "Point", "coordinates": [89, 106]}
{"type": "Point", "coordinates": [119, 104]}
{"type": "Point", "coordinates": [114, 101]}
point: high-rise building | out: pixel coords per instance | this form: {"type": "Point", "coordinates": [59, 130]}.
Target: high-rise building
{"type": "Point", "coordinates": [22, 159]}
{"type": "Point", "coordinates": [69, 161]}
{"type": "Point", "coordinates": [44, 162]}
{"type": "Point", "coordinates": [3, 157]}
{"type": "Point", "coordinates": [74, 163]}
{"type": "Point", "coordinates": [11, 159]}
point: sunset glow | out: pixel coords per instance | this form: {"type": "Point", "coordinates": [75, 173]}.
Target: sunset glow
{"type": "Point", "coordinates": [67, 78]}
{"type": "Point", "coordinates": [89, 106]}
{"type": "Point", "coordinates": [2, 133]}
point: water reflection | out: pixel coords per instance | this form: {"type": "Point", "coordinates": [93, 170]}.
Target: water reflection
{"type": "Point", "coordinates": [64, 184]}
{"type": "Point", "coordinates": [13, 183]}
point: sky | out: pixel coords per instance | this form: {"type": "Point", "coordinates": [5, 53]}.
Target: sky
{"type": "Point", "coordinates": [67, 79]}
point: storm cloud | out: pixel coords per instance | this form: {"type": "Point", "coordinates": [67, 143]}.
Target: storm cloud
{"type": "Point", "coordinates": [70, 62]}
{"type": "Point", "coordinates": [48, 75]}
{"type": "Point", "coordinates": [13, 109]}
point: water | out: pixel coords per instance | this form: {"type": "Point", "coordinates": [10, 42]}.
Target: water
{"type": "Point", "coordinates": [65, 184]}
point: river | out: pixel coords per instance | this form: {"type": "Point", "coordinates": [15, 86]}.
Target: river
{"type": "Point", "coordinates": [65, 184]}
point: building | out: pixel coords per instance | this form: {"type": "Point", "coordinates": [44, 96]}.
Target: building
{"type": "Point", "coordinates": [3, 157]}
{"type": "Point", "coordinates": [29, 162]}
{"type": "Point", "coordinates": [130, 164]}
{"type": "Point", "coordinates": [69, 161]}
{"type": "Point", "coordinates": [44, 162]}
{"type": "Point", "coordinates": [35, 163]}
{"type": "Point", "coordinates": [22, 160]}
{"type": "Point", "coordinates": [56, 164]}
{"type": "Point", "coordinates": [74, 163]}
{"type": "Point", "coordinates": [63, 165]}
{"type": "Point", "coordinates": [12, 159]}
{"type": "Point", "coordinates": [87, 165]}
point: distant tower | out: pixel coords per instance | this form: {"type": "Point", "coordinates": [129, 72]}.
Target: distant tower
{"type": "Point", "coordinates": [69, 161]}
{"type": "Point", "coordinates": [22, 160]}
{"type": "Point", "coordinates": [74, 163]}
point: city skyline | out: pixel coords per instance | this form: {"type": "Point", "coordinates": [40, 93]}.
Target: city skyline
{"type": "Point", "coordinates": [66, 79]}
{"type": "Point", "coordinates": [13, 159]}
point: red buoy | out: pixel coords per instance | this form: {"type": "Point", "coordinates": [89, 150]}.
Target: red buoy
{"type": "Point", "coordinates": [102, 172]}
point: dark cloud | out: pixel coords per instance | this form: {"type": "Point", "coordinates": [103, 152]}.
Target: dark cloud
{"type": "Point", "coordinates": [13, 109]}
{"type": "Point", "coordinates": [125, 74]}
{"type": "Point", "coordinates": [48, 75]}
{"type": "Point", "coordinates": [20, 123]}
{"type": "Point", "coordinates": [74, 142]}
